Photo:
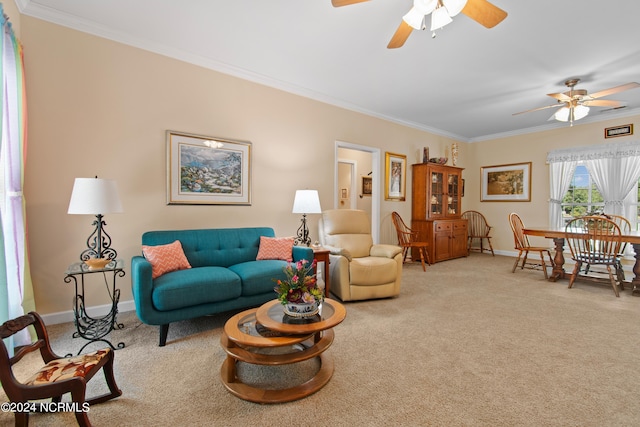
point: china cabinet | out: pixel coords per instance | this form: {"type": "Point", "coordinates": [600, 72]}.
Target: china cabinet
{"type": "Point", "coordinates": [436, 209]}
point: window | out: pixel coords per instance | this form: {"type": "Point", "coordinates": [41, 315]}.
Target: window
{"type": "Point", "coordinates": [582, 197]}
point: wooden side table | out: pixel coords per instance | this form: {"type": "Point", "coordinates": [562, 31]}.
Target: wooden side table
{"type": "Point", "coordinates": [321, 254]}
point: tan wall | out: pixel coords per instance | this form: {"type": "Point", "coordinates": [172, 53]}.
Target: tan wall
{"type": "Point", "coordinates": [11, 10]}
{"type": "Point", "coordinates": [527, 148]}
{"type": "Point", "coordinates": [97, 107]}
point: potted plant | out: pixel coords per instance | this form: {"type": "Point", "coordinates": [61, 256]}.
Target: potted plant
{"type": "Point", "coordinates": [299, 292]}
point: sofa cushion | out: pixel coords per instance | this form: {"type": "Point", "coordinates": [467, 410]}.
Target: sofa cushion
{"type": "Point", "coordinates": [275, 248]}
{"type": "Point", "coordinates": [372, 271]}
{"type": "Point", "coordinates": [220, 247]}
{"type": "Point", "coordinates": [188, 288]}
{"type": "Point", "coordinates": [257, 276]}
{"type": "Point", "coordinates": [165, 258]}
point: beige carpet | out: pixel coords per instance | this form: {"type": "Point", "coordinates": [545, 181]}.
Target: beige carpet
{"type": "Point", "coordinates": [467, 343]}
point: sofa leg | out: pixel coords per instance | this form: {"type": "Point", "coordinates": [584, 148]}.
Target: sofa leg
{"type": "Point", "coordinates": [164, 329]}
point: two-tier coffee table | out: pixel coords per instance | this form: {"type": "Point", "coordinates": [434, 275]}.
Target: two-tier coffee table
{"type": "Point", "coordinates": [247, 335]}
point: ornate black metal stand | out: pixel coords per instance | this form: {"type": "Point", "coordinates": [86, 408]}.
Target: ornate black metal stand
{"type": "Point", "coordinates": [303, 233]}
{"type": "Point", "coordinates": [90, 328]}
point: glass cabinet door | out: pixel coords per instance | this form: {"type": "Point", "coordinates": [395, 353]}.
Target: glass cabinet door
{"type": "Point", "coordinates": [436, 203]}
{"type": "Point", "coordinates": [452, 195]}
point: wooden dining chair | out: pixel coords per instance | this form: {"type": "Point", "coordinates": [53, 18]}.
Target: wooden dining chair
{"type": "Point", "coordinates": [408, 240]}
{"type": "Point", "coordinates": [57, 376]}
{"type": "Point", "coordinates": [478, 228]}
{"type": "Point", "coordinates": [594, 240]}
{"type": "Point", "coordinates": [523, 247]}
{"type": "Point", "coordinates": [625, 228]}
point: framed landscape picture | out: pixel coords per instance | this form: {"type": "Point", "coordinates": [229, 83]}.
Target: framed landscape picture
{"type": "Point", "coordinates": [395, 172]}
{"type": "Point", "coordinates": [207, 170]}
{"type": "Point", "coordinates": [506, 183]}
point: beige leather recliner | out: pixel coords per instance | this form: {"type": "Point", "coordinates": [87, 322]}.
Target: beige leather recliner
{"type": "Point", "coordinates": [359, 270]}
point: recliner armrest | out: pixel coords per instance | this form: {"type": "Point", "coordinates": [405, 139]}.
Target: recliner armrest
{"type": "Point", "coordinates": [338, 251]}
{"type": "Point", "coordinates": [385, 251]}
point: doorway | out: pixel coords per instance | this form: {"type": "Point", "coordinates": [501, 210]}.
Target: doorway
{"type": "Point", "coordinates": [364, 162]}
{"type": "Point", "coordinates": [347, 174]}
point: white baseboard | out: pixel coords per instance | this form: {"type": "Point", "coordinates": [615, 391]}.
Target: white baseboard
{"type": "Point", "coordinates": [99, 310]}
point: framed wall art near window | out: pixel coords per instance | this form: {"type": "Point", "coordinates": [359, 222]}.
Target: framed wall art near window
{"type": "Point", "coordinates": [395, 172]}
{"type": "Point", "coordinates": [506, 183]}
{"type": "Point", "coordinates": [203, 170]}
{"type": "Point", "coordinates": [617, 131]}
{"type": "Point", "coordinates": [367, 186]}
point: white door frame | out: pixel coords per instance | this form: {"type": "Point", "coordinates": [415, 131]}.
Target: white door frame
{"type": "Point", "coordinates": [375, 181]}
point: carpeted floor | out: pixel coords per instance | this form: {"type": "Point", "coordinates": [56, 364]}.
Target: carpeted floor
{"type": "Point", "coordinates": [467, 343]}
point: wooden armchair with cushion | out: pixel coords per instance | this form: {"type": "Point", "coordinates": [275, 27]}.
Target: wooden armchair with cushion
{"type": "Point", "coordinates": [359, 269]}
{"type": "Point", "coordinates": [57, 376]}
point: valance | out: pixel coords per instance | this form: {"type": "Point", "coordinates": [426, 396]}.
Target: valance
{"type": "Point", "coordinates": [601, 151]}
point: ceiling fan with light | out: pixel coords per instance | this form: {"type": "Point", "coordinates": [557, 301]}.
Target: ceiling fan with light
{"type": "Point", "coordinates": [441, 12]}
{"type": "Point", "coordinates": [574, 104]}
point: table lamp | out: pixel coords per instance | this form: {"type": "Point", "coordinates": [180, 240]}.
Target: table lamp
{"type": "Point", "coordinates": [95, 196]}
{"type": "Point", "coordinates": [305, 202]}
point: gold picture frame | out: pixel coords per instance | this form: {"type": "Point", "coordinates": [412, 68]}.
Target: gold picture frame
{"type": "Point", "coordinates": [204, 170]}
{"type": "Point", "coordinates": [395, 172]}
{"type": "Point", "coordinates": [506, 183]}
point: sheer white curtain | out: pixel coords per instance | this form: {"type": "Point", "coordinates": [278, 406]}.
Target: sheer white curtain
{"type": "Point", "coordinates": [560, 179]}
{"type": "Point", "coordinates": [15, 280]}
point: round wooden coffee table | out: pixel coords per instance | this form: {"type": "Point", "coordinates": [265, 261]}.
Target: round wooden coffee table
{"type": "Point", "coordinates": [246, 335]}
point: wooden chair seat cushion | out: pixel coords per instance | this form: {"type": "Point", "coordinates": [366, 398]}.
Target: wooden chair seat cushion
{"type": "Point", "coordinates": [62, 369]}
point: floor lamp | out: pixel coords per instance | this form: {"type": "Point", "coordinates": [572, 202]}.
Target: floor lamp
{"type": "Point", "coordinates": [95, 196]}
{"type": "Point", "coordinates": [305, 202]}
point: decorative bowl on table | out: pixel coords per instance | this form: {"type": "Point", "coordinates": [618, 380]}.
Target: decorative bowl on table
{"type": "Point", "coordinates": [439, 160]}
{"type": "Point", "coordinates": [97, 263]}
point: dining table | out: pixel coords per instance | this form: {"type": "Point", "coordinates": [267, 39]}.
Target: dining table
{"type": "Point", "coordinates": [559, 234]}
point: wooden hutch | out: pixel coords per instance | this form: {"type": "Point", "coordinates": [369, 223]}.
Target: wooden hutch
{"type": "Point", "coordinates": [436, 209]}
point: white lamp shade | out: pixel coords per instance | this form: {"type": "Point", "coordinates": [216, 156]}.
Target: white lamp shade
{"type": "Point", "coordinates": [580, 112]}
{"type": "Point", "coordinates": [414, 19]}
{"type": "Point", "coordinates": [562, 115]}
{"type": "Point", "coordinates": [439, 18]}
{"type": "Point", "coordinates": [94, 196]}
{"type": "Point", "coordinates": [306, 202]}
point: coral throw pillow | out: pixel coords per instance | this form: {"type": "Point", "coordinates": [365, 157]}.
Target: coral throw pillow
{"type": "Point", "coordinates": [275, 248]}
{"type": "Point", "coordinates": [165, 258]}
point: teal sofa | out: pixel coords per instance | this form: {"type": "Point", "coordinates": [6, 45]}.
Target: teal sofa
{"type": "Point", "coordinates": [224, 275]}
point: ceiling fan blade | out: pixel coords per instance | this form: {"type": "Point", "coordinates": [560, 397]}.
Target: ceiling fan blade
{"type": "Point", "coordinates": [602, 103]}
{"type": "Point", "coordinates": [560, 97]}
{"type": "Point", "coordinates": [559, 104]}
{"type": "Point", "coordinates": [339, 3]}
{"type": "Point", "coordinates": [484, 13]}
{"type": "Point", "coordinates": [401, 35]}
{"type": "Point", "coordinates": [613, 90]}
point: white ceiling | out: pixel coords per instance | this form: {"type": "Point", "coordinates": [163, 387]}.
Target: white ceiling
{"type": "Point", "coordinates": [466, 83]}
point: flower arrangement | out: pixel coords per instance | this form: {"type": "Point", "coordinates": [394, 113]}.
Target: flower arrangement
{"type": "Point", "coordinates": [301, 285]}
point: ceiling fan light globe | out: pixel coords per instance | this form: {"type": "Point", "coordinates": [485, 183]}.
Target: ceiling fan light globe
{"type": "Point", "coordinates": [580, 112]}
{"type": "Point", "coordinates": [454, 7]}
{"type": "Point", "coordinates": [562, 115]}
{"type": "Point", "coordinates": [414, 18]}
{"type": "Point", "coordinates": [439, 18]}
{"type": "Point", "coordinates": [425, 7]}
